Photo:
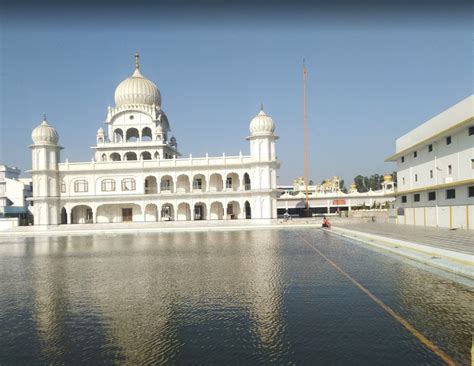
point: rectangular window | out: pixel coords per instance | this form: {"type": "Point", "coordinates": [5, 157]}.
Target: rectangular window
{"type": "Point", "coordinates": [416, 197]}
{"type": "Point", "coordinates": [128, 184]}
{"type": "Point", "coordinates": [416, 177]}
{"type": "Point", "coordinates": [403, 159]}
{"type": "Point", "coordinates": [450, 194]}
{"type": "Point", "coordinates": [63, 187]}
{"type": "Point", "coordinates": [81, 186]}
{"type": "Point", "coordinates": [228, 182]}
{"type": "Point", "coordinates": [431, 196]}
{"type": "Point", "coordinates": [403, 180]}
{"type": "Point", "coordinates": [470, 191]}
{"type": "Point", "coordinates": [450, 169]}
{"type": "Point", "coordinates": [431, 174]}
{"type": "Point", "coordinates": [108, 185]}
{"type": "Point", "coordinates": [430, 147]}
{"type": "Point", "coordinates": [404, 199]}
{"type": "Point", "coordinates": [471, 131]}
{"type": "Point", "coordinates": [415, 154]}
{"type": "Point", "coordinates": [472, 163]}
{"type": "Point", "coordinates": [448, 140]}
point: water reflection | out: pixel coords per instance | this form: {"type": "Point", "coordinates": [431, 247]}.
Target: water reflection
{"type": "Point", "coordinates": [145, 289]}
{"type": "Point", "coordinates": [220, 297]}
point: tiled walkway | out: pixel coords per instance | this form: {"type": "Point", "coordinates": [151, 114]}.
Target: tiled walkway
{"type": "Point", "coordinates": [457, 240]}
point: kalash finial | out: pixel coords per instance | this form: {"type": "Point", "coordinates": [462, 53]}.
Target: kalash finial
{"type": "Point", "coordinates": [261, 107]}
{"type": "Point", "coordinates": [44, 122]}
{"type": "Point", "coordinates": [137, 60]}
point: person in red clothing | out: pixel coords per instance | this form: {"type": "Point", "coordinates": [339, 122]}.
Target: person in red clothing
{"type": "Point", "coordinates": [326, 224]}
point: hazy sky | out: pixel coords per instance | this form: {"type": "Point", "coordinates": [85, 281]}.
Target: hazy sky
{"type": "Point", "coordinates": [374, 74]}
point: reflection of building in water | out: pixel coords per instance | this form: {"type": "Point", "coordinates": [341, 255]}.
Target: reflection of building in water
{"type": "Point", "coordinates": [328, 198]}
{"type": "Point", "coordinates": [431, 303]}
{"type": "Point", "coordinates": [143, 292]}
{"type": "Point", "coordinates": [137, 173]}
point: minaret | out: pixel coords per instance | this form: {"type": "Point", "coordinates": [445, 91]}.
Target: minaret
{"type": "Point", "coordinates": [263, 173]}
{"type": "Point", "coordinates": [45, 174]}
{"type": "Point", "coordinates": [262, 138]}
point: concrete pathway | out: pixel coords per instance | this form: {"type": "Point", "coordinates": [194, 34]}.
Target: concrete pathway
{"type": "Point", "coordinates": [456, 240]}
{"type": "Point", "coordinates": [441, 248]}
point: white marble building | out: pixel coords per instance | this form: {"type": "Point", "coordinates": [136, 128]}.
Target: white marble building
{"type": "Point", "coordinates": [137, 173]}
{"type": "Point", "coordinates": [435, 170]}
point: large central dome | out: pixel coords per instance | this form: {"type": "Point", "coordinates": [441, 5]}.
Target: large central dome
{"type": "Point", "coordinates": [137, 89]}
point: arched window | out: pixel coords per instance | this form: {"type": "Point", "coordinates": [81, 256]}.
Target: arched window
{"type": "Point", "coordinates": [115, 157]}
{"type": "Point", "coordinates": [146, 134]}
{"type": "Point", "coordinates": [157, 155]}
{"type": "Point", "coordinates": [104, 157]}
{"type": "Point", "coordinates": [130, 156]}
{"type": "Point", "coordinates": [132, 135]}
{"type": "Point", "coordinates": [247, 185]}
{"type": "Point", "coordinates": [107, 185]}
{"type": "Point", "coordinates": [81, 185]}
{"type": "Point", "coordinates": [118, 135]}
{"type": "Point", "coordinates": [146, 155]}
{"type": "Point", "coordinates": [128, 184]}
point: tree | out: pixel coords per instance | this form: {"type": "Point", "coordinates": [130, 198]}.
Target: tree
{"type": "Point", "coordinates": [342, 186]}
{"type": "Point", "coordinates": [360, 183]}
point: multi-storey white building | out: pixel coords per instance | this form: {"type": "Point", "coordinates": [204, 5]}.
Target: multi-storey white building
{"type": "Point", "coordinates": [14, 192]}
{"type": "Point", "coordinates": [435, 170]}
{"type": "Point", "coordinates": [138, 174]}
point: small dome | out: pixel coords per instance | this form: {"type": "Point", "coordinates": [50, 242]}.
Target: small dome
{"type": "Point", "coordinates": [387, 178]}
{"type": "Point", "coordinates": [137, 89]}
{"type": "Point", "coordinates": [262, 124]}
{"type": "Point", "coordinates": [45, 134]}
{"type": "Point", "coordinates": [101, 131]}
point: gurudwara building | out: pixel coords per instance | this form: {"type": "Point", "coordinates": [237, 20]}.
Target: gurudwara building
{"type": "Point", "coordinates": [138, 175]}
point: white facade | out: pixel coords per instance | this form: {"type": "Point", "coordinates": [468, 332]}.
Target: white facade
{"type": "Point", "coordinates": [137, 173]}
{"type": "Point", "coordinates": [435, 170]}
{"type": "Point", "coordinates": [14, 192]}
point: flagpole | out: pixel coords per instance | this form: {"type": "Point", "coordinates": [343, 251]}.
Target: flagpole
{"type": "Point", "coordinates": [305, 73]}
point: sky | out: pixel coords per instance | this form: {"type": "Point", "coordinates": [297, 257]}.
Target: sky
{"type": "Point", "coordinates": [374, 73]}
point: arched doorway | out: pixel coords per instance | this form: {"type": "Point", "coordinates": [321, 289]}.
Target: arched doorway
{"type": "Point", "coordinates": [248, 210]}
{"type": "Point", "coordinates": [247, 185]}
{"type": "Point", "coordinates": [167, 212]}
{"type": "Point", "coordinates": [151, 186]}
{"type": "Point", "coordinates": [184, 212]}
{"type": "Point", "coordinates": [200, 211]}
{"type": "Point", "coordinates": [166, 184]}
{"type": "Point", "coordinates": [82, 214]}
{"type": "Point", "coordinates": [216, 183]}
{"type": "Point", "coordinates": [232, 182]}
{"type": "Point", "coordinates": [233, 210]}
{"type": "Point", "coordinates": [63, 216]}
{"type": "Point", "coordinates": [151, 212]}
{"type": "Point", "coordinates": [182, 184]}
{"type": "Point", "coordinates": [216, 211]}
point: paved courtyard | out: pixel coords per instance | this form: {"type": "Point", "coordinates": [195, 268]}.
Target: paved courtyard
{"type": "Point", "coordinates": [457, 240]}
